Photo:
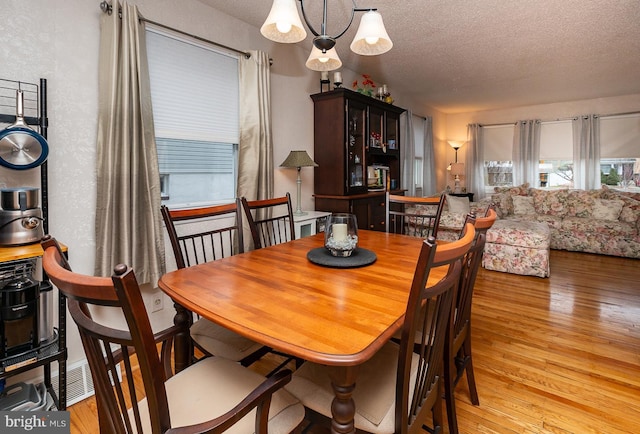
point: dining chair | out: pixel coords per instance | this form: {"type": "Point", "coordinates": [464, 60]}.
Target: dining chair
{"type": "Point", "coordinates": [399, 389]}
{"type": "Point", "coordinates": [200, 235]}
{"type": "Point", "coordinates": [270, 220]}
{"type": "Point", "coordinates": [212, 395]}
{"type": "Point", "coordinates": [457, 352]}
{"type": "Point", "coordinates": [414, 216]}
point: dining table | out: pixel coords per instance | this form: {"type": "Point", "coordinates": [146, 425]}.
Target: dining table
{"type": "Point", "coordinates": [334, 315]}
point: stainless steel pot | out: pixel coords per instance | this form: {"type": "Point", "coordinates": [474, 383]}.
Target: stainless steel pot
{"type": "Point", "coordinates": [19, 199]}
{"type": "Point", "coordinates": [21, 227]}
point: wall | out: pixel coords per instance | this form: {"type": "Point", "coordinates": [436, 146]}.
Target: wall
{"type": "Point", "coordinates": [59, 41]}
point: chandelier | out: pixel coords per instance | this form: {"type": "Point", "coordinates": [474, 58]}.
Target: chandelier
{"type": "Point", "coordinates": [283, 25]}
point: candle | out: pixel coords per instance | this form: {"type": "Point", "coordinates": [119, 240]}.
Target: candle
{"type": "Point", "coordinates": [340, 232]}
{"type": "Point", "coordinates": [337, 77]}
{"type": "Point", "coordinates": [324, 76]}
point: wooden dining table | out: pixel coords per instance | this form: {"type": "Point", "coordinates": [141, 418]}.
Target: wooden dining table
{"type": "Point", "coordinates": [339, 317]}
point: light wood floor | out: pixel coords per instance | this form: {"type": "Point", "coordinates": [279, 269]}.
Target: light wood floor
{"type": "Point", "coordinates": [556, 355]}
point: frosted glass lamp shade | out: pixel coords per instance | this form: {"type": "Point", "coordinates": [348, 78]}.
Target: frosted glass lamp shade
{"type": "Point", "coordinates": [371, 38]}
{"type": "Point", "coordinates": [283, 23]}
{"type": "Point", "coordinates": [319, 61]}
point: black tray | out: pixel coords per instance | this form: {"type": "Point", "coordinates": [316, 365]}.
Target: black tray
{"type": "Point", "coordinates": [359, 258]}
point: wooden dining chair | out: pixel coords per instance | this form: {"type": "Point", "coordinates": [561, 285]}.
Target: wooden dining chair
{"type": "Point", "coordinates": [457, 352]}
{"type": "Point", "coordinates": [414, 216]}
{"type": "Point", "coordinates": [399, 390]}
{"type": "Point", "coordinates": [212, 395]}
{"type": "Point", "coordinates": [200, 235]}
{"type": "Point", "coordinates": [270, 220]}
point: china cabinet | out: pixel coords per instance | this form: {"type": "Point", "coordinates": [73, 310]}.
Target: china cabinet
{"type": "Point", "coordinates": [357, 147]}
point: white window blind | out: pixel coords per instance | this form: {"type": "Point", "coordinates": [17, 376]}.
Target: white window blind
{"type": "Point", "coordinates": [498, 142]}
{"type": "Point", "coordinates": [620, 136]}
{"type": "Point", "coordinates": [556, 140]}
{"type": "Point", "coordinates": [194, 90]}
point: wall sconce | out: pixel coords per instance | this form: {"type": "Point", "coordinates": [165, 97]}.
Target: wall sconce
{"type": "Point", "coordinates": [298, 159]}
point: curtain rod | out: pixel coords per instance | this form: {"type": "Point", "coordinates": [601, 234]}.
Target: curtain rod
{"type": "Point", "coordinates": [108, 9]}
{"type": "Point", "coordinates": [565, 119]}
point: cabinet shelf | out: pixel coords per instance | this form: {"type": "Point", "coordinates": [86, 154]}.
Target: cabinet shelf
{"type": "Point", "coordinates": [53, 350]}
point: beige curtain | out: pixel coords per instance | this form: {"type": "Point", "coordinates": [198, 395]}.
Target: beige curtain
{"type": "Point", "coordinates": [255, 155]}
{"type": "Point", "coordinates": [128, 222]}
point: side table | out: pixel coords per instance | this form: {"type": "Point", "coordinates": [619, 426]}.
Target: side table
{"type": "Point", "coordinates": [309, 224]}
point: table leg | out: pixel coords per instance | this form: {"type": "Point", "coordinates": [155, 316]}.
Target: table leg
{"type": "Point", "coordinates": [343, 408]}
{"type": "Point", "coordinates": [182, 344]}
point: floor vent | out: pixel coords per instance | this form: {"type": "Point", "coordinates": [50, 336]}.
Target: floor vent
{"type": "Point", "coordinates": [79, 382]}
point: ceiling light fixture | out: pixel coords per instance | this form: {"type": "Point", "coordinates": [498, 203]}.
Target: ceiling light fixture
{"type": "Point", "coordinates": [283, 24]}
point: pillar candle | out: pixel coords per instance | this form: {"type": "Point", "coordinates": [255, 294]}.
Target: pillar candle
{"type": "Point", "coordinates": [337, 77]}
{"type": "Point", "coordinates": [339, 231]}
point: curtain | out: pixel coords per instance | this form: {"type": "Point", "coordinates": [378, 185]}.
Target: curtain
{"type": "Point", "coordinates": [586, 152]}
{"type": "Point", "coordinates": [474, 161]}
{"type": "Point", "coordinates": [526, 152]}
{"type": "Point", "coordinates": [128, 224]}
{"type": "Point", "coordinates": [255, 155]}
{"type": "Point", "coordinates": [429, 166]}
{"type": "Point", "coordinates": [408, 151]}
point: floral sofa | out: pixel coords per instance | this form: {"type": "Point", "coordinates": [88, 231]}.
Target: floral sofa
{"type": "Point", "coordinates": [603, 221]}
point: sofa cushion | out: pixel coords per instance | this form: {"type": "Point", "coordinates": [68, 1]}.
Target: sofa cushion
{"type": "Point", "coordinates": [523, 205]}
{"type": "Point", "coordinates": [580, 203]}
{"type": "Point", "coordinates": [502, 198]}
{"type": "Point", "coordinates": [613, 228]}
{"type": "Point", "coordinates": [630, 210]}
{"type": "Point", "coordinates": [519, 233]}
{"type": "Point", "coordinates": [458, 204]}
{"type": "Point", "coordinates": [550, 202]}
{"type": "Point", "coordinates": [607, 209]}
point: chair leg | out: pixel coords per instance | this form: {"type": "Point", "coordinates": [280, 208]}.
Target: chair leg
{"type": "Point", "coordinates": [471, 379]}
{"type": "Point", "coordinates": [449, 396]}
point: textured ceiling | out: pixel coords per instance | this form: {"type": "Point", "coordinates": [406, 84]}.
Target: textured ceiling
{"type": "Point", "coordinates": [468, 55]}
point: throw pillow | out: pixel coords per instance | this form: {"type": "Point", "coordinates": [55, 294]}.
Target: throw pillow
{"type": "Point", "coordinates": [523, 205]}
{"type": "Point", "coordinates": [607, 209]}
{"type": "Point", "coordinates": [458, 204]}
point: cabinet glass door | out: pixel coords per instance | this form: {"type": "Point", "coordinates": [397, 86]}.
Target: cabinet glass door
{"type": "Point", "coordinates": [392, 125]}
{"type": "Point", "coordinates": [356, 142]}
{"type": "Point", "coordinates": [376, 118]}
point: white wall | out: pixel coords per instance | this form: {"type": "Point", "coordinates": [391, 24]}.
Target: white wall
{"type": "Point", "coordinates": [59, 41]}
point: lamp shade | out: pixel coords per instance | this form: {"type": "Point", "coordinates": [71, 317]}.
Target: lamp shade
{"type": "Point", "coordinates": [298, 159]}
{"type": "Point", "coordinates": [283, 23]}
{"type": "Point", "coordinates": [371, 38]}
{"type": "Point", "coordinates": [457, 169]}
{"type": "Point", "coordinates": [455, 144]}
{"type": "Point", "coordinates": [319, 61]}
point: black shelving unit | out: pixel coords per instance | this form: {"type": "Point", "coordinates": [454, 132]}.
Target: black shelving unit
{"type": "Point", "coordinates": [55, 349]}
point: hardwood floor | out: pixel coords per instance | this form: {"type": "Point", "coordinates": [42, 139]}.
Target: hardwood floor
{"type": "Point", "coordinates": [556, 355]}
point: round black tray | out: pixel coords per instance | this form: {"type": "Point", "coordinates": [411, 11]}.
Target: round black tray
{"type": "Point", "coordinates": [359, 258]}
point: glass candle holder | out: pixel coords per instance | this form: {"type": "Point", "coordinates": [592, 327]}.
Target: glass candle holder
{"type": "Point", "coordinates": [341, 234]}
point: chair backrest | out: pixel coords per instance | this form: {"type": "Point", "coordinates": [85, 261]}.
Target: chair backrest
{"type": "Point", "coordinates": [106, 347]}
{"type": "Point", "coordinates": [414, 216]}
{"type": "Point", "coordinates": [470, 266]}
{"type": "Point", "coordinates": [204, 234]}
{"type": "Point", "coordinates": [270, 220]}
{"type": "Point", "coordinates": [428, 314]}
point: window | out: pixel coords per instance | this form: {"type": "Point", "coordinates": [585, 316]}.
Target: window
{"type": "Point", "coordinates": [194, 91]}
{"type": "Point", "coordinates": [556, 154]}
{"type": "Point", "coordinates": [620, 151]}
{"type": "Point", "coordinates": [418, 141]}
{"type": "Point", "coordinates": [498, 142]}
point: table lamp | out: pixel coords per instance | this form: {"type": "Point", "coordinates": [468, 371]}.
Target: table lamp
{"type": "Point", "coordinates": [298, 159]}
{"type": "Point", "coordinates": [457, 169]}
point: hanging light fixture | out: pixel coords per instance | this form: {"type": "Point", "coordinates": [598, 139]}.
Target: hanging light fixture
{"type": "Point", "coordinates": [327, 61]}
{"type": "Point", "coordinates": [283, 25]}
